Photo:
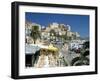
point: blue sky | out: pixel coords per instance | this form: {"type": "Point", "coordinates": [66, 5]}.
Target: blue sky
{"type": "Point", "coordinates": [78, 23]}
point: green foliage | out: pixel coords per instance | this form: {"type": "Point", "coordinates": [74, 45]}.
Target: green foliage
{"type": "Point", "coordinates": [86, 53]}
{"type": "Point", "coordinates": [80, 61]}
{"type": "Point", "coordinates": [86, 45]}
{"type": "Point", "coordinates": [35, 33]}
{"type": "Point", "coordinates": [83, 58]}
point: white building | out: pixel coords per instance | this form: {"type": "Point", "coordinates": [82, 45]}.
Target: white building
{"type": "Point", "coordinates": [76, 44]}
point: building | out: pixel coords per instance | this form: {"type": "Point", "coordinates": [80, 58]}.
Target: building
{"type": "Point", "coordinates": [59, 30]}
{"type": "Point", "coordinates": [54, 32]}
{"type": "Point", "coordinates": [76, 44]}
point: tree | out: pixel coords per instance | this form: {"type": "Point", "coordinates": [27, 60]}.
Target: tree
{"type": "Point", "coordinates": [86, 45]}
{"type": "Point", "coordinates": [83, 59]}
{"type": "Point", "coordinates": [35, 33]}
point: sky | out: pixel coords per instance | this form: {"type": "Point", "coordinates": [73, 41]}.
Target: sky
{"type": "Point", "coordinates": [78, 23]}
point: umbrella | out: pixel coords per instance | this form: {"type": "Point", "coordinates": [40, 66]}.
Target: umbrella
{"type": "Point", "coordinates": [52, 48]}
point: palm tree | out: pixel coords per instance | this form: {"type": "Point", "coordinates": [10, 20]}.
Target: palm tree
{"type": "Point", "coordinates": [35, 33]}
{"type": "Point", "coordinates": [83, 59]}
{"type": "Point", "coordinates": [86, 45]}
